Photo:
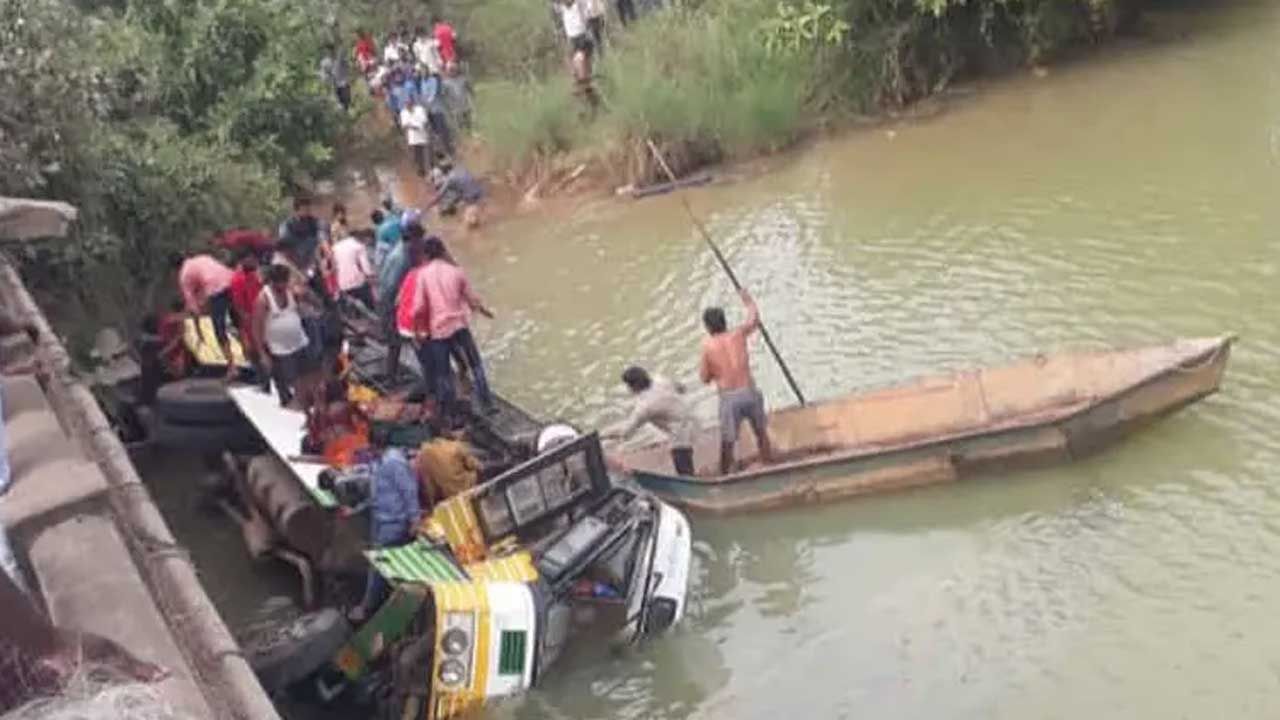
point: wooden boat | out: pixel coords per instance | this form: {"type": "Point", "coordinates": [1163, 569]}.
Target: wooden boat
{"type": "Point", "coordinates": [936, 429]}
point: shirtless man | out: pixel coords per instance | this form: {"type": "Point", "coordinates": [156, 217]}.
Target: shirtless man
{"type": "Point", "coordinates": [726, 362]}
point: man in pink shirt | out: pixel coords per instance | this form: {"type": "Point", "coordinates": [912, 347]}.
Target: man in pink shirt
{"type": "Point", "coordinates": [351, 262]}
{"type": "Point", "coordinates": [445, 302]}
{"type": "Point", "coordinates": [205, 284]}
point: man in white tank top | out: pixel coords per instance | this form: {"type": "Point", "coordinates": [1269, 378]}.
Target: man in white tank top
{"type": "Point", "coordinates": [284, 341]}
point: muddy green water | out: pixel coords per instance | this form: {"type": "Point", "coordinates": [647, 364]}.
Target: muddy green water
{"type": "Point", "coordinates": [1127, 199]}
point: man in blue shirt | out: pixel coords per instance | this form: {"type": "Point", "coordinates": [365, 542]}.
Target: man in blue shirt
{"type": "Point", "coordinates": [390, 276]}
{"type": "Point", "coordinates": [391, 97]}
{"type": "Point", "coordinates": [394, 511]}
{"type": "Point", "coordinates": [387, 232]}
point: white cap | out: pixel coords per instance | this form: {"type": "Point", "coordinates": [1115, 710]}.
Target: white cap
{"type": "Point", "coordinates": [556, 435]}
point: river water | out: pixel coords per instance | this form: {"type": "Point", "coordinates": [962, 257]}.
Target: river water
{"type": "Point", "coordinates": [1126, 199]}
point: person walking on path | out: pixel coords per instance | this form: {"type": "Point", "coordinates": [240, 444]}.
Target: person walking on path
{"type": "Point", "coordinates": [414, 120]}
{"type": "Point", "coordinates": [286, 357]}
{"type": "Point", "coordinates": [391, 51]}
{"type": "Point", "coordinates": [355, 272]}
{"type": "Point", "coordinates": [574, 20]}
{"type": "Point", "coordinates": [395, 510]}
{"type": "Point", "coordinates": [205, 285]}
{"type": "Point", "coordinates": [432, 97]}
{"type": "Point", "coordinates": [594, 11]}
{"type": "Point", "coordinates": [626, 11]}
{"type": "Point", "coordinates": [446, 40]}
{"type": "Point", "coordinates": [445, 304]}
{"type": "Point", "coordinates": [727, 363]}
{"type": "Point", "coordinates": [457, 95]}
{"type": "Point", "coordinates": [336, 71]}
{"type": "Point", "coordinates": [365, 51]}
{"type": "Point", "coordinates": [426, 52]}
{"type": "Point", "coordinates": [661, 403]}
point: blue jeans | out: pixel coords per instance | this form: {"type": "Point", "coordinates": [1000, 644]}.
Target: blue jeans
{"type": "Point", "coordinates": [382, 535]}
{"type": "Point", "coordinates": [463, 341]}
{"type": "Point", "coordinates": [427, 361]}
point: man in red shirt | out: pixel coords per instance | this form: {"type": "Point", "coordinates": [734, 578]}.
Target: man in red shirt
{"type": "Point", "coordinates": [246, 286]}
{"type": "Point", "coordinates": [412, 314]}
{"type": "Point", "coordinates": [445, 39]}
{"type": "Point", "coordinates": [365, 51]}
{"type": "Point", "coordinates": [243, 239]}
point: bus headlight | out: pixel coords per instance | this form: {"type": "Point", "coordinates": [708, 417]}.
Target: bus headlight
{"type": "Point", "coordinates": [455, 641]}
{"type": "Point", "coordinates": [452, 673]}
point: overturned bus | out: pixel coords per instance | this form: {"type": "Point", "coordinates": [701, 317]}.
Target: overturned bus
{"type": "Point", "coordinates": [503, 577]}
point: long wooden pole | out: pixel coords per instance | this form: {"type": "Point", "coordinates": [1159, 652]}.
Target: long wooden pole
{"type": "Point", "coordinates": [724, 264]}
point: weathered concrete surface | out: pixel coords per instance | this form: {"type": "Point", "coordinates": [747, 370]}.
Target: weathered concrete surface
{"type": "Point", "coordinates": [89, 583]}
{"type": "Point", "coordinates": [80, 564]}
{"type": "Point", "coordinates": [100, 552]}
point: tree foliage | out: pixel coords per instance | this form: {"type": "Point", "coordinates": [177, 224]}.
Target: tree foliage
{"type": "Point", "coordinates": [164, 121]}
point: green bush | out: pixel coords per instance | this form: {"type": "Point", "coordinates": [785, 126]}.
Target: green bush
{"type": "Point", "coordinates": [163, 121]}
{"type": "Point", "coordinates": [694, 76]}
{"type": "Point", "coordinates": [512, 40]}
{"type": "Point", "coordinates": [718, 78]}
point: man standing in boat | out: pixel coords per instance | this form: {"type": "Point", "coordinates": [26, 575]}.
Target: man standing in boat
{"type": "Point", "coordinates": [727, 363]}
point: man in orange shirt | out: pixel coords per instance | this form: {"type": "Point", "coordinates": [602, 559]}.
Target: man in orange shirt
{"type": "Point", "coordinates": [726, 362]}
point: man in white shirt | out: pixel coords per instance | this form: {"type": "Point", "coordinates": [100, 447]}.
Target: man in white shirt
{"type": "Point", "coordinates": [660, 403]}
{"type": "Point", "coordinates": [414, 121]}
{"type": "Point", "coordinates": [391, 51]}
{"type": "Point", "coordinates": [426, 51]}
{"type": "Point", "coordinates": [354, 270]}
{"type": "Point", "coordinates": [574, 19]}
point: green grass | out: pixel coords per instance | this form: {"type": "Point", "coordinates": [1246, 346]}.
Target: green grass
{"type": "Point", "coordinates": [697, 77]}
{"type": "Point", "coordinates": [698, 81]}
{"type": "Point", "coordinates": [522, 121]}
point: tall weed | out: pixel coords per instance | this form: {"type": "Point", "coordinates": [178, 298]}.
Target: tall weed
{"type": "Point", "coordinates": [520, 121]}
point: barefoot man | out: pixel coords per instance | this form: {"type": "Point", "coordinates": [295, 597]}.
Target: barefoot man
{"type": "Point", "coordinates": [725, 362]}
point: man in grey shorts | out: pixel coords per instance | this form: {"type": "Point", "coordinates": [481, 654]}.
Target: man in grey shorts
{"type": "Point", "coordinates": [727, 363]}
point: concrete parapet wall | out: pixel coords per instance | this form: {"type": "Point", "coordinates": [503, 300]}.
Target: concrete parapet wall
{"type": "Point", "coordinates": [91, 497]}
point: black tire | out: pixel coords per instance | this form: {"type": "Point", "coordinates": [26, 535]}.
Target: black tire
{"type": "Point", "coordinates": [236, 436]}
{"type": "Point", "coordinates": [196, 400]}
{"type": "Point", "coordinates": [292, 650]}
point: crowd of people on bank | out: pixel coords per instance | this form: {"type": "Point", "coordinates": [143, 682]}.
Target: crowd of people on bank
{"type": "Point", "coordinates": [283, 294]}
{"type": "Point", "coordinates": [419, 77]}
